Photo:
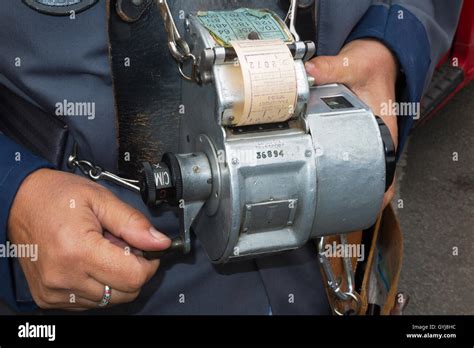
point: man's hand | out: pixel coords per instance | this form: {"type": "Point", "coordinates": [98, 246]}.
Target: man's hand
{"type": "Point", "coordinates": [66, 216]}
{"type": "Point", "coordinates": [370, 70]}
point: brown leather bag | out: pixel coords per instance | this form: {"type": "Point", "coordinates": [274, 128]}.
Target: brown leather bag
{"type": "Point", "coordinates": [386, 252]}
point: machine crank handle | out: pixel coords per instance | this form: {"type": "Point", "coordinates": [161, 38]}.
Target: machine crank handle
{"type": "Point", "coordinates": [177, 246]}
{"type": "Point", "coordinates": [184, 181]}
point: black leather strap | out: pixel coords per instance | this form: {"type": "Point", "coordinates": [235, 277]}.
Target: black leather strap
{"type": "Point", "coordinates": [42, 133]}
{"type": "Point", "coordinates": [147, 89]}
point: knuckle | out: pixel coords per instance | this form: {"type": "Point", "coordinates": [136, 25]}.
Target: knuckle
{"type": "Point", "coordinates": [128, 297]}
{"type": "Point", "coordinates": [69, 253]}
{"type": "Point", "coordinates": [98, 193]}
{"type": "Point", "coordinates": [38, 299]}
{"type": "Point", "coordinates": [44, 298]}
{"type": "Point", "coordinates": [133, 217]}
{"type": "Point", "coordinates": [82, 186]}
{"type": "Point", "coordinates": [52, 281]}
{"type": "Point", "coordinates": [42, 304]}
{"type": "Point", "coordinates": [136, 280]}
{"type": "Point", "coordinates": [95, 193]}
{"type": "Point", "coordinates": [100, 190]}
{"type": "Point", "coordinates": [134, 296]}
{"type": "Point", "coordinates": [329, 66]}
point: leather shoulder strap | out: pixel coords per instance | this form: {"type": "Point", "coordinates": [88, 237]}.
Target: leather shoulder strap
{"type": "Point", "coordinates": [147, 88]}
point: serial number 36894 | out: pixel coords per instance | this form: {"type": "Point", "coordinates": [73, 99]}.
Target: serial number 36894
{"type": "Point", "coordinates": [270, 154]}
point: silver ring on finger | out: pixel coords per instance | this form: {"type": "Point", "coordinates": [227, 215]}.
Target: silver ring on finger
{"type": "Point", "coordinates": [107, 296]}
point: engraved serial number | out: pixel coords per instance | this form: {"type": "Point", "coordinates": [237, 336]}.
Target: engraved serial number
{"type": "Point", "coordinates": [270, 154]}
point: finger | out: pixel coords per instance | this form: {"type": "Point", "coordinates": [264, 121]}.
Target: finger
{"type": "Point", "coordinates": [82, 303]}
{"type": "Point", "coordinates": [128, 223]}
{"type": "Point", "coordinates": [328, 69]}
{"type": "Point", "coordinates": [61, 299]}
{"type": "Point", "coordinates": [94, 291]}
{"type": "Point", "coordinates": [112, 265]}
{"type": "Point", "coordinates": [121, 244]}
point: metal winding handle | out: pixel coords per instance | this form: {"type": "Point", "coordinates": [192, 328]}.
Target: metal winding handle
{"type": "Point", "coordinates": [177, 246]}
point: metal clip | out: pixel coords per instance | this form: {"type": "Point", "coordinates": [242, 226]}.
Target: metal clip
{"type": "Point", "coordinates": [291, 19]}
{"type": "Point", "coordinates": [96, 173]}
{"type": "Point", "coordinates": [335, 285]}
{"type": "Point", "coordinates": [178, 47]}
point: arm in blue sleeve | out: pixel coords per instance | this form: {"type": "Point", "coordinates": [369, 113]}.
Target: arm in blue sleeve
{"type": "Point", "coordinates": [419, 33]}
{"type": "Point", "coordinates": [16, 163]}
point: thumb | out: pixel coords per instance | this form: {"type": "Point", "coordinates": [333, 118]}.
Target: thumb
{"type": "Point", "coordinates": [327, 69]}
{"type": "Point", "coordinates": [127, 223]}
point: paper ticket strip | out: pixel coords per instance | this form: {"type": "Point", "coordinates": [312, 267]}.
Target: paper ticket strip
{"type": "Point", "coordinates": [227, 26]}
{"type": "Point", "coordinates": [269, 79]}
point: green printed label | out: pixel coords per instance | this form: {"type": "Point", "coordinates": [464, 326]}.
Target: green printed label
{"type": "Point", "coordinates": [227, 26]}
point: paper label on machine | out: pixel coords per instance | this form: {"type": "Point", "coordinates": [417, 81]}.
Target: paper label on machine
{"type": "Point", "coordinates": [269, 76]}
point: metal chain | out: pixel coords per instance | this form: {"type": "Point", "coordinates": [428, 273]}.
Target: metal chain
{"type": "Point", "coordinates": [180, 50]}
{"type": "Point", "coordinates": [96, 173]}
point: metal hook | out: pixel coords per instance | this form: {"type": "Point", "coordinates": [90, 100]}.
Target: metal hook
{"type": "Point", "coordinates": [333, 284]}
{"type": "Point", "coordinates": [291, 17]}
{"type": "Point", "coordinates": [96, 173]}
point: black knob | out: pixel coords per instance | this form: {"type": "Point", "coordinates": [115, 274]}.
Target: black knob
{"type": "Point", "coordinates": [156, 183]}
{"type": "Point", "coordinates": [161, 182]}
{"type": "Point", "coordinates": [171, 162]}
{"type": "Point", "coordinates": [147, 184]}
